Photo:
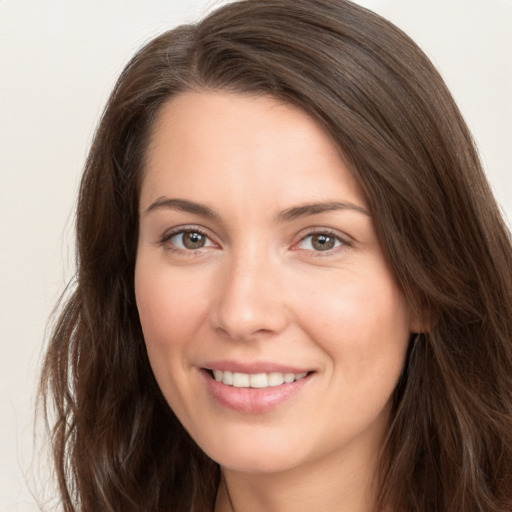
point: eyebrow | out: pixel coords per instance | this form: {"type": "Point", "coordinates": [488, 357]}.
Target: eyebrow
{"type": "Point", "coordinates": [305, 210]}
{"type": "Point", "coordinates": [287, 215]}
{"type": "Point", "coordinates": [182, 204]}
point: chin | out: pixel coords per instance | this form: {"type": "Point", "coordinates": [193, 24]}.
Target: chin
{"type": "Point", "coordinates": [258, 454]}
{"type": "Point", "coordinates": [257, 463]}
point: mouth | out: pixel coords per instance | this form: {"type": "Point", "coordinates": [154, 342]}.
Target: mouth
{"type": "Point", "coordinates": [257, 386]}
{"type": "Point", "coordinates": [256, 380]}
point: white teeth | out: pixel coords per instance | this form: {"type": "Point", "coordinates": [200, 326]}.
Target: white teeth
{"type": "Point", "coordinates": [256, 380]}
{"type": "Point", "coordinates": [275, 379]}
{"type": "Point", "coordinates": [240, 380]}
{"type": "Point", "coordinates": [227, 378]}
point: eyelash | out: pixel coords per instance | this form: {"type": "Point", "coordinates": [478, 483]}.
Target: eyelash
{"type": "Point", "coordinates": [340, 241]}
{"type": "Point", "coordinates": [182, 231]}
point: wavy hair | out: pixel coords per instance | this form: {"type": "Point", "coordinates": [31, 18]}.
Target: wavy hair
{"type": "Point", "coordinates": [116, 443]}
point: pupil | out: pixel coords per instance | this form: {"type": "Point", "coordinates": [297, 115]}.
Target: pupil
{"type": "Point", "coordinates": [323, 242]}
{"type": "Point", "coordinates": [193, 240]}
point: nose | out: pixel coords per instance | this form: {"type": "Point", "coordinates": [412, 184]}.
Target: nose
{"type": "Point", "coordinates": [250, 300]}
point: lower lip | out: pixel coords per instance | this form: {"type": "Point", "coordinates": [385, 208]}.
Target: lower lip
{"type": "Point", "coordinates": [252, 400]}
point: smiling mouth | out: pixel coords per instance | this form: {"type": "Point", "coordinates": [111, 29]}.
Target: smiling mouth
{"type": "Point", "coordinates": [256, 392]}
{"type": "Point", "coordinates": [256, 380]}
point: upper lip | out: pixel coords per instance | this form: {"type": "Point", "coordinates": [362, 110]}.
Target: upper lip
{"type": "Point", "coordinates": [253, 367]}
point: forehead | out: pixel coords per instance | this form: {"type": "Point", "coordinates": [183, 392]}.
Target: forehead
{"type": "Point", "coordinates": [205, 140]}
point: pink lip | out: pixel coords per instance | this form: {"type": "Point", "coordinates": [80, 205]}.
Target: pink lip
{"type": "Point", "coordinates": [252, 400]}
{"type": "Point", "coordinates": [254, 367]}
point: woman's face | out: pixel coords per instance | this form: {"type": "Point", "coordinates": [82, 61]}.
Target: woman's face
{"type": "Point", "coordinates": [274, 326]}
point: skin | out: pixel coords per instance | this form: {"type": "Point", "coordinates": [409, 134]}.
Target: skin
{"type": "Point", "coordinates": [259, 289]}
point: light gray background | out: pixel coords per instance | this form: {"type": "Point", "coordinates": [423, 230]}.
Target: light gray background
{"type": "Point", "coordinates": [58, 61]}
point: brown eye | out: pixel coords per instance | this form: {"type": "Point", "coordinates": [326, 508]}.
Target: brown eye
{"type": "Point", "coordinates": [189, 240]}
{"type": "Point", "coordinates": [323, 242]}
{"type": "Point", "coordinates": [193, 240]}
{"type": "Point", "coordinates": [320, 242]}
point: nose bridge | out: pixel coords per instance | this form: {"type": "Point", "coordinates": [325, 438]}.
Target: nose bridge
{"type": "Point", "coordinates": [250, 302]}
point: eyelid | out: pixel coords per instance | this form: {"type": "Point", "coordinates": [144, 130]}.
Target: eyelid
{"type": "Point", "coordinates": [346, 240]}
{"type": "Point", "coordinates": [166, 237]}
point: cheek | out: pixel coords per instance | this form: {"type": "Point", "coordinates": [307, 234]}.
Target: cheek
{"type": "Point", "coordinates": [361, 321]}
{"type": "Point", "coordinates": [169, 312]}
{"type": "Point", "coordinates": [166, 302]}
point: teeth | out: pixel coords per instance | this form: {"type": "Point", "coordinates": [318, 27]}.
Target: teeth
{"type": "Point", "coordinates": [275, 379]}
{"type": "Point", "coordinates": [240, 380]}
{"type": "Point", "coordinates": [227, 378]}
{"type": "Point", "coordinates": [256, 380]}
{"type": "Point", "coordinates": [259, 380]}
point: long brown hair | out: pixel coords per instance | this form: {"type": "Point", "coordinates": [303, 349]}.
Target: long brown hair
{"type": "Point", "coordinates": [117, 445]}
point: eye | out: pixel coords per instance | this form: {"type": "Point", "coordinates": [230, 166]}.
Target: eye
{"type": "Point", "coordinates": [320, 242]}
{"type": "Point", "coordinates": [189, 240]}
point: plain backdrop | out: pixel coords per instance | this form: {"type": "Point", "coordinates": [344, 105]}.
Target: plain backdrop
{"type": "Point", "coordinates": [58, 62]}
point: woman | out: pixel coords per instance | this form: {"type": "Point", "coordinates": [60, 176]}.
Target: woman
{"type": "Point", "coordinates": [294, 286]}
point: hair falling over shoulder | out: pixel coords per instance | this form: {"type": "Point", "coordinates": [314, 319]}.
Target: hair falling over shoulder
{"type": "Point", "coordinates": [117, 446]}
